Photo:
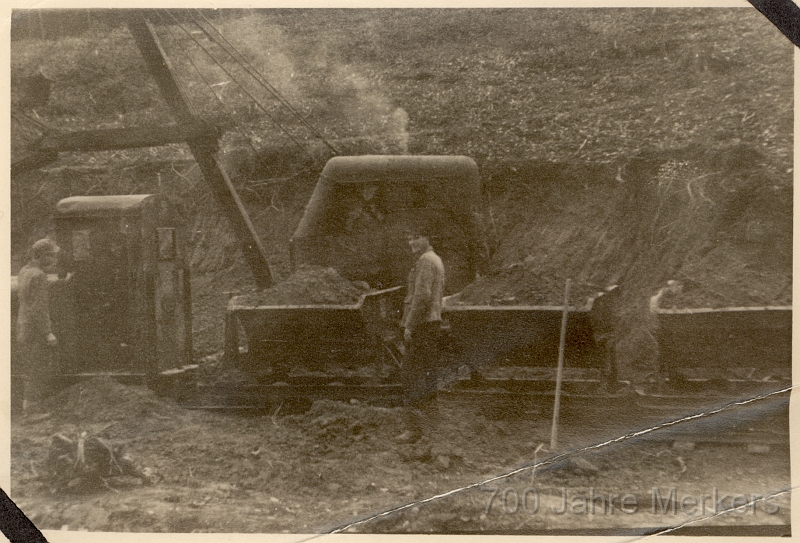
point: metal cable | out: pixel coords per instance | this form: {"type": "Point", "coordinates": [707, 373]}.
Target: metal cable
{"type": "Point", "coordinates": [242, 87]}
{"type": "Point", "coordinates": [247, 65]}
{"type": "Point", "coordinates": [212, 40]}
{"type": "Point", "coordinates": [206, 82]}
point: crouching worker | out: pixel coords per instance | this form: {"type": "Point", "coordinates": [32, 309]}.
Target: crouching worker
{"type": "Point", "coordinates": [34, 332]}
{"type": "Point", "coordinates": [422, 324]}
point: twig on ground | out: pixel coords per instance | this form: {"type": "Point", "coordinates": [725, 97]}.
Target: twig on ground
{"type": "Point", "coordinates": [108, 486]}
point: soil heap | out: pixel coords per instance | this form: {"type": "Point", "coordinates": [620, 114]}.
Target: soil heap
{"type": "Point", "coordinates": [309, 285]}
{"type": "Point", "coordinates": [103, 399]}
{"type": "Point", "coordinates": [338, 423]}
{"type": "Point", "coordinates": [723, 279]}
{"type": "Point", "coordinates": [518, 285]}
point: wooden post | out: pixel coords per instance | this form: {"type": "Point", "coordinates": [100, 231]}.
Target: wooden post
{"type": "Point", "coordinates": [560, 370]}
{"type": "Point", "coordinates": [203, 150]}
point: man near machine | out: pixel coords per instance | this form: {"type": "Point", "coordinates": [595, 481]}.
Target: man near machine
{"type": "Point", "coordinates": [422, 325]}
{"type": "Point", "coordinates": [35, 337]}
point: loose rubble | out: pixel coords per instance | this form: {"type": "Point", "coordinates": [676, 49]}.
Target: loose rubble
{"type": "Point", "coordinates": [518, 284]}
{"type": "Point", "coordinates": [103, 399]}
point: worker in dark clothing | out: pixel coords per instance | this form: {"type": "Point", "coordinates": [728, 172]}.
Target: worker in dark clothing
{"type": "Point", "coordinates": [422, 325]}
{"type": "Point", "coordinates": [34, 331]}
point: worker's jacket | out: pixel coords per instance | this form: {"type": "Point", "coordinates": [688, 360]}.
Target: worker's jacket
{"type": "Point", "coordinates": [33, 319]}
{"type": "Point", "coordinates": [423, 301]}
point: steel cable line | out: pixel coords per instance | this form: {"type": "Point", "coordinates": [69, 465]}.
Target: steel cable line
{"type": "Point", "coordinates": [228, 73]}
{"type": "Point", "coordinates": [241, 59]}
{"type": "Point", "coordinates": [206, 82]}
{"type": "Point", "coordinates": [266, 86]}
{"type": "Point", "coordinates": [236, 81]}
{"type": "Point", "coordinates": [247, 65]}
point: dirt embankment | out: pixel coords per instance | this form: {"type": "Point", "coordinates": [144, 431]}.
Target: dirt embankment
{"type": "Point", "coordinates": [718, 221]}
{"type": "Point", "coordinates": [102, 400]}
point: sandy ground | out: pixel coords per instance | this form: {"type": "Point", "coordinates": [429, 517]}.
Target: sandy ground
{"type": "Point", "coordinates": [338, 467]}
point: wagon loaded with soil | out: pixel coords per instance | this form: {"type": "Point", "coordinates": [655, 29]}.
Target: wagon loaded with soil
{"type": "Point", "coordinates": [333, 326]}
{"type": "Point", "coordinates": [709, 348]}
{"type": "Point", "coordinates": [332, 329]}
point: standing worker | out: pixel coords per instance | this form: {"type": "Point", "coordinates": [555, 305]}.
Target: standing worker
{"type": "Point", "coordinates": [34, 332]}
{"type": "Point", "coordinates": [422, 325]}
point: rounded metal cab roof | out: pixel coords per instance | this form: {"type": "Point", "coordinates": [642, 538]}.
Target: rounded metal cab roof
{"type": "Point", "coordinates": [458, 175]}
{"type": "Point", "coordinates": [348, 169]}
{"type": "Point", "coordinates": [102, 206]}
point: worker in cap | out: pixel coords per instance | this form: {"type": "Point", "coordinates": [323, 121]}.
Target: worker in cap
{"type": "Point", "coordinates": [35, 336]}
{"type": "Point", "coordinates": [422, 328]}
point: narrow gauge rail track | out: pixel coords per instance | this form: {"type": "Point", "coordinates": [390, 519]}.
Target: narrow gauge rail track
{"type": "Point", "coordinates": [732, 412]}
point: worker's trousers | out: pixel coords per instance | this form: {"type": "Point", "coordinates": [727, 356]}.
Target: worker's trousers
{"type": "Point", "coordinates": [39, 368]}
{"type": "Point", "coordinates": [422, 363]}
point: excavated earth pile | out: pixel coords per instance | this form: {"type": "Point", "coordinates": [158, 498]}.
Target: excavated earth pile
{"type": "Point", "coordinates": [309, 285]}
{"type": "Point", "coordinates": [104, 400]}
{"type": "Point", "coordinates": [727, 277]}
{"type": "Point", "coordinates": [517, 285]}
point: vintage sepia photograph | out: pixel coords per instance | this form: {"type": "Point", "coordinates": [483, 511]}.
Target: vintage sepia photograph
{"type": "Point", "coordinates": [518, 271]}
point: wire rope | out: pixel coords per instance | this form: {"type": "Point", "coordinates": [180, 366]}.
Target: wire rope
{"type": "Point", "coordinates": [206, 82]}
{"type": "Point", "coordinates": [233, 78]}
{"type": "Point", "coordinates": [247, 65]}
